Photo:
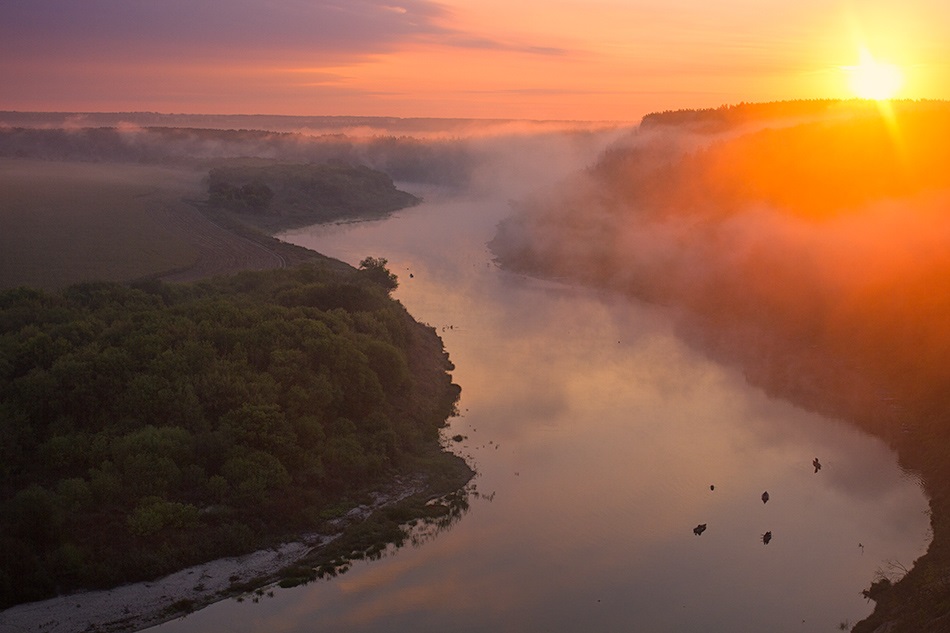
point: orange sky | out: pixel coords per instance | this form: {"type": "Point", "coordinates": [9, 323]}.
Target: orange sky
{"type": "Point", "coordinates": [556, 59]}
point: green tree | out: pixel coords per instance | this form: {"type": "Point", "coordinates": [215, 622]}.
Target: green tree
{"type": "Point", "coordinates": [263, 427]}
{"type": "Point", "coordinates": [374, 269]}
{"type": "Point", "coordinates": [256, 477]}
{"type": "Point", "coordinates": [154, 513]}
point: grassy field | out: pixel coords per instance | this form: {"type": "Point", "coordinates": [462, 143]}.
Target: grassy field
{"type": "Point", "coordinates": [62, 223]}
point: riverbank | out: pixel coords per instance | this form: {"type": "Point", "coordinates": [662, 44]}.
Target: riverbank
{"type": "Point", "coordinates": [137, 606]}
{"type": "Point", "coordinates": [913, 596]}
{"type": "Point", "coordinates": [920, 601]}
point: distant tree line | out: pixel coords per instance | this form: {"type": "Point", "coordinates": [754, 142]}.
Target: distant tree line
{"type": "Point", "coordinates": [252, 196]}
{"type": "Point", "coordinates": [147, 427]}
{"type": "Point", "coordinates": [443, 162]}
{"type": "Point", "coordinates": [731, 115]}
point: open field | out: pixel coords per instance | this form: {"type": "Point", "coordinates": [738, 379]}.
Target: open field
{"type": "Point", "coordinates": [63, 223]}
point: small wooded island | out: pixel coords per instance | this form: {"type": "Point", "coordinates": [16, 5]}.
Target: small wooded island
{"type": "Point", "coordinates": [149, 426]}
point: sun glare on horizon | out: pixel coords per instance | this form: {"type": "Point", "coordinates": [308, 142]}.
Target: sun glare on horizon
{"type": "Point", "coordinates": [872, 79]}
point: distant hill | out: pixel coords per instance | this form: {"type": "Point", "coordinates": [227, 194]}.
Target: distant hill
{"type": "Point", "coordinates": [420, 127]}
{"type": "Point", "coordinates": [729, 116]}
{"type": "Point", "coordinates": [424, 150]}
{"type": "Point", "coordinates": [436, 161]}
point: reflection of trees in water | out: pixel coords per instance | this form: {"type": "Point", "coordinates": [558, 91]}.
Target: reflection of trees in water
{"type": "Point", "coordinates": [439, 516]}
{"type": "Point", "coordinates": [381, 535]}
{"type": "Point", "coordinates": [456, 506]}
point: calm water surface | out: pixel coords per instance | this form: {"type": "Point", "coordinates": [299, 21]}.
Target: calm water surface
{"type": "Point", "coordinates": [597, 434]}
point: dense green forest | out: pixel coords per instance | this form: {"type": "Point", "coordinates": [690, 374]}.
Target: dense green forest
{"type": "Point", "coordinates": [150, 426]}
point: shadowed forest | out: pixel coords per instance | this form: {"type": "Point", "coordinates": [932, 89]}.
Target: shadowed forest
{"type": "Point", "coordinates": [150, 427]}
{"type": "Point", "coordinates": [273, 195]}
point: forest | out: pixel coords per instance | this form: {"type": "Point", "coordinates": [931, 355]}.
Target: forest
{"type": "Point", "coordinates": [150, 426]}
{"type": "Point", "coordinates": [268, 194]}
{"type": "Point", "coordinates": [731, 116]}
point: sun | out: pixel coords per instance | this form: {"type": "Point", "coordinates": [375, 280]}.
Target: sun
{"type": "Point", "coordinates": [872, 79]}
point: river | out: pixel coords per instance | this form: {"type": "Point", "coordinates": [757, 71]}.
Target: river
{"type": "Point", "coordinates": [601, 440]}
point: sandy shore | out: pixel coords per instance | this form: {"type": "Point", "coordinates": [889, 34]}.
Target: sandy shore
{"type": "Point", "coordinates": [133, 607]}
{"type": "Point", "coordinates": [136, 606]}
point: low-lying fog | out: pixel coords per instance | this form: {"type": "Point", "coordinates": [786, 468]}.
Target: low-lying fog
{"type": "Point", "coordinates": [813, 254]}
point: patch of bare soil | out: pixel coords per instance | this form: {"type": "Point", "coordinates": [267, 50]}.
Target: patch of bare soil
{"type": "Point", "coordinates": [221, 250]}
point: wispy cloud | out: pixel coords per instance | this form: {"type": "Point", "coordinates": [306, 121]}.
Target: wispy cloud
{"type": "Point", "coordinates": [464, 40]}
{"type": "Point", "coordinates": [427, 56]}
{"type": "Point", "coordinates": [239, 28]}
{"type": "Point", "coordinates": [327, 31]}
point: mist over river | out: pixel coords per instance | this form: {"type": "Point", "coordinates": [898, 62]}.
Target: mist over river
{"type": "Point", "coordinates": [598, 435]}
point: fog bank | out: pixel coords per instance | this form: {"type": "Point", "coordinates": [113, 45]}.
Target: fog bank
{"type": "Point", "coordinates": [446, 152]}
{"type": "Point", "coordinates": [811, 250]}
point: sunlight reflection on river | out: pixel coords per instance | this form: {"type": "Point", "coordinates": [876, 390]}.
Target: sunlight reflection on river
{"type": "Point", "coordinates": [599, 433]}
